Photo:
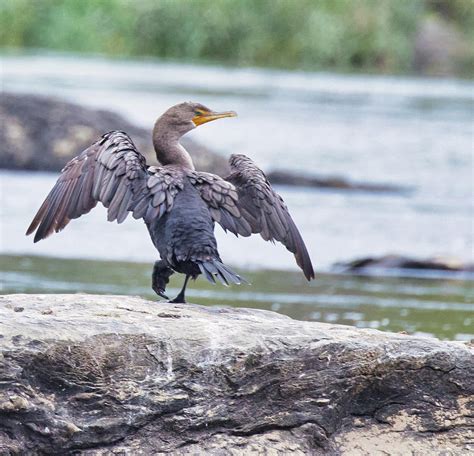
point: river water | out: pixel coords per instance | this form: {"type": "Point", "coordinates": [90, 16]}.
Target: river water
{"type": "Point", "coordinates": [414, 133]}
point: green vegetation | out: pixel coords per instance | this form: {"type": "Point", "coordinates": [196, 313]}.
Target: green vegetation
{"type": "Point", "coordinates": [360, 35]}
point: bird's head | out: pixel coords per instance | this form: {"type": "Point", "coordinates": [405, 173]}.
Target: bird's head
{"type": "Point", "coordinates": [186, 116]}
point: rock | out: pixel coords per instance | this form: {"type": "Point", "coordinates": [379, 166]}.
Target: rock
{"type": "Point", "coordinates": [440, 48]}
{"type": "Point", "coordinates": [402, 262]}
{"type": "Point", "coordinates": [105, 375]}
{"type": "Point", "coordinates": [284, 177]}
{"type": "Point", "coordinates": [43, 133]}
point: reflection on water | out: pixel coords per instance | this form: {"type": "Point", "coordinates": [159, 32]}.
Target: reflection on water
{"type": "Point", "coordinates": [443, 308]}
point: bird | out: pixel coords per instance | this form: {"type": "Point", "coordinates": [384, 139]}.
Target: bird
{"type": "Point", "coordinates": [179, 205]}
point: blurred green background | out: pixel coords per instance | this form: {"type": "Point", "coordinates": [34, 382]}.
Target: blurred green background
{"type": "Point", "coordinates": [376, 36]}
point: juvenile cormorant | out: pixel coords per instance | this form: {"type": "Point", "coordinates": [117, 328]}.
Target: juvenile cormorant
{"type": "Point", "coordinates": [178, 204]}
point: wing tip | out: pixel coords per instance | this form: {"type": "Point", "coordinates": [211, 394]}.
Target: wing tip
{"type": "Point", "coordinates": [309, 273]}
{"type": "Point", "coordinates": [304, 262]}
{"type": "Point", "coordinates": [32, 228]}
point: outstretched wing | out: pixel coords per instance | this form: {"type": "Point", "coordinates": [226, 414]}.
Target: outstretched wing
{"type": "Point", "coordinates": [222, 199]}
{"type": "Point", "coordinates": [245, 203]}
{"type": "Point", "coordinates": [113, 172]}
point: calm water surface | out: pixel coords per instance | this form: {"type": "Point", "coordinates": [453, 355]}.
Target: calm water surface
{"type": "Point", "coordinates": [442, 308]}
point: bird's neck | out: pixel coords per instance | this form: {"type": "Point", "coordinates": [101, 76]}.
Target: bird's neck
{"type": "Point", "coordinates": [168, 149]}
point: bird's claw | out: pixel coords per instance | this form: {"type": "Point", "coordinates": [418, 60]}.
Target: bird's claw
{"type": "Point", "coordinates": [161, 292]}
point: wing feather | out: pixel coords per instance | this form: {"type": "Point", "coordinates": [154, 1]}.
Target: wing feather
{"type": "Point", "coordinates": [113, 172]}
{"type": "Point", "coordinates": [245, 203]}
{"type": "Point", "coordinates": [266, 211]}
{"type": "Point", "coordinates": [221, 197]}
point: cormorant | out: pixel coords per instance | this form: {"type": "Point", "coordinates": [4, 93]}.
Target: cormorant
{"type": "Point", "coordinates": [178, 204]}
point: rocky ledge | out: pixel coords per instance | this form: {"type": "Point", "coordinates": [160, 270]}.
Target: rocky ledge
{"type": "Point", "coordinates": [103, 375]}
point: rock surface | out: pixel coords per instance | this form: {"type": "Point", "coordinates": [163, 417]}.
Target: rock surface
{"type": "Point", "coordinates": [43, 133]}
{"type": "Point", "coordinates": [105, 375]}
{"type": "Point", "coordinates": [440, 48]}
{"type": "Point", "coordinates": [284, 177]}
{"type": "Point", "coordinates": [375, 264]}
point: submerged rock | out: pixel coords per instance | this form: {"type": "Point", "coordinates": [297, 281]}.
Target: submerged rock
{"type": "Point", "coordinates": [403, 262]}
{"type": "Point", "coordinates": [102, 375]}
{"type": "Point", "coordinates": [284, 177]}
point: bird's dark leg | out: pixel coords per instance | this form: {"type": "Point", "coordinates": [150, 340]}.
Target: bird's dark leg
{"type": "Point", "coordinates": [180, 298]}
{"type": "Point", "coordinates": [160, 277]}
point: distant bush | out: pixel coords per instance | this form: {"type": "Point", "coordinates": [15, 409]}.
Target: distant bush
{"type": "Point", "coordinates": [365, 35]}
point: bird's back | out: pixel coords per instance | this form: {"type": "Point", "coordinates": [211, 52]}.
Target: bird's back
{"type": "Point", "coordinates": [186, 233]}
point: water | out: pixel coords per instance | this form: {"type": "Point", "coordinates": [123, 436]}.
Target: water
{"type": "Point", "coordinates": [417, 133]}
{"type": "Point", "coordinates": [442, 308]}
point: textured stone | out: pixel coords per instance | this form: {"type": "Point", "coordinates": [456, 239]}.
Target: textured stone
{"type": "Point", "coordinates": [299, 179]}
{"type": "Point", "coordinates": [44, 133]}
{"type": "Point", "coordinates": [376, 264]}
{"type": "Point", "coordinates": [116, 375]}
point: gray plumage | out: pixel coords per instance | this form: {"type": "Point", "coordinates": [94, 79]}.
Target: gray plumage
{"type": "Point", "coordinates": [178, 204]}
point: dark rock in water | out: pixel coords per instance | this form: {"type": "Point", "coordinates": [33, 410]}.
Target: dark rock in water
{"type": "Point", "coordinates": [297, 179]}
{"type": "Point", "coordinates": [102, 375]}
{"type": "Point", "coordinates": [402, 262]}
{"type": "Point", "coordinates": [42, 133]}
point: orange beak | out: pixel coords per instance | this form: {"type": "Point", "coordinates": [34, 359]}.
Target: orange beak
{"type": "Point", "coordinates": [208, 116]}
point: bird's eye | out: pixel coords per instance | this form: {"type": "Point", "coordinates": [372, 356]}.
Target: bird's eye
{"type": "Point", "coordinates": [198, 112]}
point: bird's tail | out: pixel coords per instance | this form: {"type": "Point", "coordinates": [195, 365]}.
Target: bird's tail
{"type": "Point", "coordinates": [213, 269]}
